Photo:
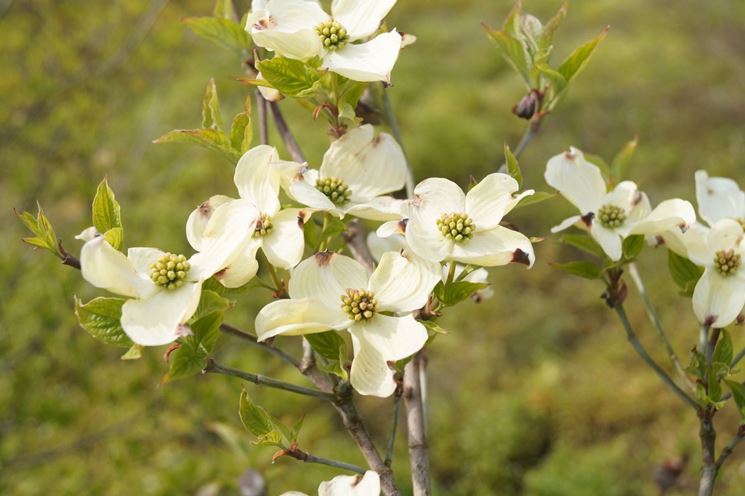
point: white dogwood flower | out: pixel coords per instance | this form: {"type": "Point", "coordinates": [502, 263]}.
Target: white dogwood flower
{"type": "Point", "coordinates": [332, 291]}
{"type": "Point", "coordinates": [396, 241]}
{"type": "Point", "coordinates": [278, 232]}
{"type": "Point", "coordinates": [301, 30]}
{"type": "Point", "coordinates": [347, 485]}
{"type": "Point", "coordinates": [611, 216]}
{"type": "Point", "coordinates": [719, 296]}
{"type": "Point", "coordinates": [164, 288]}
{"type": "Point", "coordinates": [719, 198]}
{"type": "Point", "coordinates": [357, 170]}
{"type": "Point", "coordinates": [447, 224]}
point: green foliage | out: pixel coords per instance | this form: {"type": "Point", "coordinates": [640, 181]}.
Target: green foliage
{"type": "Point", "coordinates": [211, 118]}
{"type": "Point", "coordinates": [620, 165]}
{"type": "Point", "coordinates": [513, 167]}
{"type": "Point", "coordinates": [684, 272]}
{"type": "Point", "coordinates": [332, 348]}
{"type": "Point", "coordinates": [101, 318]}
{"type": "Point", "coordinates": [738, 394]}
{"type": "Point", "coordinates": [291, 77]}
{"type": "Point", "coordinates": [222, 31]}
{"type": "Point", "coordinates": [584, 242]}
{"type": "Point", "coordinates": [454, 292]}
{"type": "Point", "coordinates": [586, 270]}
{"type": "Point", "coordinates": [107, 216]}
{"type": "Point", "coordinates": [42, 229]}
{"type": "Point", "coordinates": [632, 247]}
{"type": "Point", "coordinates": [267, 429]}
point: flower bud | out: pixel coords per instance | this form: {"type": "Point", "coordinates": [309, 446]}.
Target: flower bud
{"type": "Point", "coordinates": [529, 105]}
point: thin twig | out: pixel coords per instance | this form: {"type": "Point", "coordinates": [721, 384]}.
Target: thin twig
{"type": "Point", "coordinates": [233, 331]}
{"type": "Point", "coordinates": [418, 448]}
{"type": "Point", "coordinates": [262, 380]}
{"type": "Point", "coordinates": [657, 324]}
{"type": "Point", "coordinates": [261, 111]}
{"type": "Point", "coordinates": [357, 243]}
{"type": "Point", "coordinates": [284, 131]}
{"type": "Point", "coordinates": [737, 358]}
{"type": "Point", "coordinates": [298, 454]}
{"type": "Point", "coordinates": [709, 468]}
{"type": "Point", "coordinates": [394, 428]}
{"type": "Point", "coordinates": [631, 335]}
{"type": "Point", "coordinates": [396, 130]}
{"type": "Point", "coordinates": [730, 448]}
{"type": "Point", "coordinates": [530, 133]}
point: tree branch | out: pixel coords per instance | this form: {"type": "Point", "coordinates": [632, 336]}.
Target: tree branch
{"type": "Point", "coordinates": [233, 331]}
{"type": "Point", "coordinates": [709, 468]}
{"type": "Point", "coordinates": [357, 243]}
{"type": "Point", "coordinates": [261, 111]}
{"type": "Point", "coordinates": [415, 422]}
{"type": "Point", "coordinates": [657, 324]}
{"type": "Point", "coordinates": [631, 335]}
{"type": "Point", "coordinates": [262, 380]}
{"type": "Point", "coordinates": [394, 428]}
{"type": "Point", "coordinates": [530, 133]}
{"type": "Point", "coordinates": [284, 131]}
{"type": "Point", "coordinates": [390, 116]}
{"type": "Point", "coordinates": [730, 448]}
{"type": "Point", "coordinates": [298, 454]}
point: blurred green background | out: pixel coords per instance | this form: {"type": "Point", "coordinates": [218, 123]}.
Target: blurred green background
{"type": "Point", "coordinates": [534, 392]}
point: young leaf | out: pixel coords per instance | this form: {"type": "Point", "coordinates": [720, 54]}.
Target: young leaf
{"type": "Point", "coordinates": [115, 237]}
{"type": "Point", "coordinates": [211, 302]}
{"type": "Point", "coordinates": [724, 351]}
{"type": "Point", "coordinates": [620, 164]}
{"type": "Point", "coordinates": [684, 272]}
{"type": "Point", "coordinates": [433, 326]}
{"type": "Point", "coordinates": [43, 230]}
{"type": "Point", "coordinates": [633, 246]}
{"type": "Point", "coordinates": [578, 59]}
{"type": "Point", "coordinates": [513, 167]}
{"type": "Point", "coordinates": [206, 138]}
{"type": "Point", "coordinates": [133, 353]}
{"type": "Point", "coordinates": [106, 212]}
{"type": "Point", "coordinates": [512, 51]}
{"type": "Point", "coordinates": [327, 344]}
{"type": "Point", "coordinates": [221, 31]}
{"type": "Point", "coordinates": [290, 77]}
{"type": "Point", "coordinates": [738, 393]}
{"type": "Point", "coordinates": [549, 29]}
{"type": "Point", "coordinates": [224, 9]}
{"type": "Point", "coordinates": [455, 292]}
{"type": "Point", "coordinates": [581, 269]}
{"type": "Point", "coordinates": [101, 318]}
{"type": "Point", "coordinates": [537, 197]}
{"type": "Point", "coordinates": [191, 356]}
{"type": "Point", "coordinates": [254, 418]}
{"type": "Point", "coordinates": [211, 118]}
{"type": "Point", "coordinates": [241, 131]}
{"type": "Point", "coordinates": [584, 242]}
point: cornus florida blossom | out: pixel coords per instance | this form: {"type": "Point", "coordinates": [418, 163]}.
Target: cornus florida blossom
{"type": "Point", "coordinates": [332, 291]}
{"type": "Point", "coordinates": [719, 198]}
{"type": "Point", "coordinates": [279, 233]}
{"type": "Point", "coordinates": [165, 288]}
{"type": "Point", "coordinates": [356, 171]}
{"type": "Point", "coordinates": [300, 29]}
{"type": "Point", "coordinates": [447, 224]}
{"type": "Point", "coordinates": [611, 216]}
{"type": "Point", "coordinates": [347, 485]}
{"type": "Point", "coordinates": [719, 296]}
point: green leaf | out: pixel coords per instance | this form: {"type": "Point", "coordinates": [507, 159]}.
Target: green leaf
{"type": "Point", "coordinates": [584, 242]}
{"type": "Point", "coordinates": [724, 350]}
{"type": "Point", "coordinates": [327, 344]}
{"type": "Point", "coordinates": [582, 269]}
{"type": "Point", "coordinates": [291, 77]}
{"type": "Point", "coordinates": [455, 292]}
{"type": "Point", "coordinates": [43, 230]}
{"type": "Point", "coordinates": [295, 430]}
{"type": "Point", "coordinates": [191, 356]}
{"type": "Point", "coordinates": [738, 394]}
{"type": "Point", "coordinates": [512, 51]}
{"type": "Point", "coordinates": [537, 197]}
{"type": "Point", "coordinates": [206, 138]}
{"type": "Point", "coordinates": [221, 31]}
{"type": "Point", "coordinates": [684, 272]}
{"type": "Point", "coordinates": [620, 164]}
{"type": "Point", "coordinates": [549, 29]}
{"type": "Point", "coordinates": [211, 302]}
{"type": "Point", "coordinates": [714, 389]}
{"type": "Point", "coordinates": [133, 353]}
{"type": "Point", "coordinates": [579, 58]}
{"type": "Point", "coordinates": [513, 167]}
{"type": "Point", "coordinates": [241, 130]}
{"type": "Point", "coordinates": [101, 318]}
{"type": "Point", "coordinates": [211, 117]}
{"type": "Point", "coordinates": [557, 80]}
{"type": "Point", "coordinates": [633, 246]}
{"type": "Point", "coordinates": [600, 162]}
{"type": "Point", "coordinates": [224, 9]}
{"type": "Point", "coordinates": [254, 418]}
{"type": "Point", "coordinates": [433, 326]}
{"type": "Point", "coordinates": [115, 237]}
{"type": "Point", "coordinates": [106, 212]}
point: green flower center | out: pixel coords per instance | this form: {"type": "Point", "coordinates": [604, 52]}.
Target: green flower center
{"type": "Point", "coordinates": [726, 262]}
{"type": "Point", "coordinates": [170, 271]}
{"type": "Point", "coordinates": [458, 227]}
{"type": "Point", "coordinates": [333, 35]}
{"type": "Point", "coordinates": [359, 304]}
{"type": "Point", "coordinates": [335, 189]}
{"type": "Point", "coordinates": [611, 216]}
{"type": "Point", "coordinates": [264, 226]}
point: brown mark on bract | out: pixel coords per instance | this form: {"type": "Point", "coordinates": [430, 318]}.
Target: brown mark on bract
{"type": "Point", "coordinates": [323, 258]}
{"type": "Point", "coordinates": [301, 218]}
{"type": "Point", "coordinates": [205, 209]}
{"type": "Point", "coordinates": [637, 198]}
{"type": "Point", "coordinates": [519, 256]}
{"type": "Point", "coordinates": [587, 218]}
